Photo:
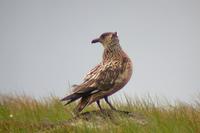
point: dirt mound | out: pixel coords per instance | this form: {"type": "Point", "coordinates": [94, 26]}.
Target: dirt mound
{"type": "Point", "coordinates": [98, 117]}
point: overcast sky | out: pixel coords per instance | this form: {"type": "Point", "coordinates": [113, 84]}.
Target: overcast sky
{"type": "Point", "coordinates": [45, 45]}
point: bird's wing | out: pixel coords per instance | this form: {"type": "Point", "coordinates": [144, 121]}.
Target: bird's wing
{"type": "Point", "coordinates": [92, 72]}
{"type": "Point", "coordinates": [88, 80]}
{"type": "Point", "coordinates": [102, 77]}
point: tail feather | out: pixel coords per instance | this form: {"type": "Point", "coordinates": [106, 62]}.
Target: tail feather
{"type": "Point", "coordinates": [70, 101]}
{"type": "Point", "coordinates": [72, 97]}
{"type": "Point", "coordinates": [78, 94]}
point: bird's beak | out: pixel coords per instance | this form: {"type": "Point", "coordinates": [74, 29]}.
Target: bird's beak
{"type": "Point", "coordinates": [96, 40]}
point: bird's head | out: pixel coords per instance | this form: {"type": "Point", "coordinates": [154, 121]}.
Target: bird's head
{"type": "Point", "coordinates": [107, 39]}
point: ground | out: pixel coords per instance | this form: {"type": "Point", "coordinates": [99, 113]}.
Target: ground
{"type": "Point", "coordinates": [26, 114]}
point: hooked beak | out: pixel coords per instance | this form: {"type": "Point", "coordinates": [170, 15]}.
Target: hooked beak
{"type": "Point", "coordinates": [96, 40]}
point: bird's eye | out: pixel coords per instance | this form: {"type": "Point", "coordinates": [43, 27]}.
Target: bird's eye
{"type": "Point", "coordinates": [103, 36]}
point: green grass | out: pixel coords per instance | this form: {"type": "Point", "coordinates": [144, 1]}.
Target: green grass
{"type": "Point", "coordinates": [22, 114]}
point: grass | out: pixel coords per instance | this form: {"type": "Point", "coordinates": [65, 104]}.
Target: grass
{"type": "Point", "coordinates": [22, 114]}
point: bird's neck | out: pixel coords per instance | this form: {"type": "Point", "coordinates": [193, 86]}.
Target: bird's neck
{"type": "Point", "coordinates": [112, 53]}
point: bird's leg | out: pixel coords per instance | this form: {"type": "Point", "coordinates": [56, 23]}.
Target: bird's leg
{"type": "Point", "coordinates": [98, 103]}
{"type": "Point", "coordinates": [106, 99]}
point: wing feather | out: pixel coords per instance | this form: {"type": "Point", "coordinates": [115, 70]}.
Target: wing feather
{"type": "Point", "coordinates": [102, 77]}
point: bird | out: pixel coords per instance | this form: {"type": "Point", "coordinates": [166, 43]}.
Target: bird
{"type": "Point", "coordinates": [106, 78]}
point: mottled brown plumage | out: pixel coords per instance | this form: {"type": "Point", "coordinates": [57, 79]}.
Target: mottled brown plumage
{"type": "Point", "coordinates": [109, 76]}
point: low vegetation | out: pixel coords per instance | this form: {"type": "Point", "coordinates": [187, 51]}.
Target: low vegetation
{"type": "Point", "coordinates": [20, 114]}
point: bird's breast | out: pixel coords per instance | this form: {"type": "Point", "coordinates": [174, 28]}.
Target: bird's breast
{"type": "Point", "coordinates": [125, 75]}
{"type": "Point", "coordinates": [123, 78]}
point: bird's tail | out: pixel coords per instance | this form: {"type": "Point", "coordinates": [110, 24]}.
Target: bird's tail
{"type": "Point", "coordinates": [71, 97]}
{"type": "Point", "coordinates": [78, 94]}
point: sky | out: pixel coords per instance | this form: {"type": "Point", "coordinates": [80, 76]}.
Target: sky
{"type": "Point", "coordinates": [45, 45]}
